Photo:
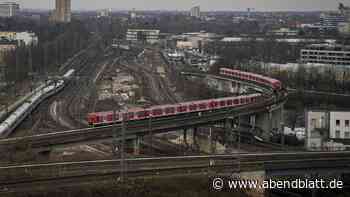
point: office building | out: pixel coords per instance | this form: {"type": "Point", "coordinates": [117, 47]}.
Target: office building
{"type": "Point", "coordinates": [330, 21]}
{"type": "Point", "coordinates": [150, 36]}
{"type": "Point", "coordinates": [62, 13]}
{"type": "Point", "coordinates": [9, 9]}
{"type": "Point", "coordinates": [331, 54]}
{"type": "Point", "coordinates": [195, 12]}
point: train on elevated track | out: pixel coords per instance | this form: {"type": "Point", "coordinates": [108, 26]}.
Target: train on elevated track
{"type": "Point", "coordinates": [274, 84]}
{"type": "Point", "coordinates": [114, 117]}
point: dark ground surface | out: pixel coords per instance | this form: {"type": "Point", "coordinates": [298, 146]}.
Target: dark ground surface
{"type": "Point", "coordinates": [195, 186]}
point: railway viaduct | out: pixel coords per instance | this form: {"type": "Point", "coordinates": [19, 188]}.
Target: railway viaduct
{"type": "Point", "coordinates": [268, 119]}
{"type": "Point", "coordinates": [266, 116]}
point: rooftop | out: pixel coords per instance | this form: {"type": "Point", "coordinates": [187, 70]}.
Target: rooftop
{"type": "Point", "coordinates": [329, 46]}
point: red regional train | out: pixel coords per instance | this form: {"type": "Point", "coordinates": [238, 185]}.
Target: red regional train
{"type": "Point", "coordinates": [106, 118]}
{"type": "Point", "coordinates": [110, 117]}
{"type": "Point", "coordinates": [260, 79]}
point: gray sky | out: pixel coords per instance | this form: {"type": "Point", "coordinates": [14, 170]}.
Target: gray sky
{"type": "Point", "coordinates": [259, 5]}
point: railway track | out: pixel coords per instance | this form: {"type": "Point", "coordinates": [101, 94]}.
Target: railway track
{"type": "Point", "coordinates": [157, 87]}
{"type": "Point", "coordinates": [67, 104]}
{"type": "Point", "coordinates": [81, 97]}
{"type": "Point", "coordinates": [133, 128]}
{"type": "Point", "coordinates": [30, 177]}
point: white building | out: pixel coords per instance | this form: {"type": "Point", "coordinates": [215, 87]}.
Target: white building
{"type": "Point", "coordinates": [195, 12]}
{"type": "Point", "coordinates": [315, 122]}
{"type": "Point", "coordinates": [26, 38]}
{"type": "Point", "coordinates": [339, 125]}
{"type": "Point", "coordinates": [143, 35]}
{"type": "Point", "coordinates": [133, 14]}
{"type": "Point", "coordinates": [104, 13]}
{"type": "Point", "coordinates": [195, 40]}
{"type": "Point", "coordinates": [185, 45]}
{"type": "Point", "coordinates": [9, 9]}
{"type": "Point", "coordinates": [327, 129]}
{"type": "Point", "coordinates": [285, 32]}
{"type": "Point", "coordinates": [333, 54]}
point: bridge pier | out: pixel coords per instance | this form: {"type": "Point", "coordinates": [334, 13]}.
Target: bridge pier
{"type": "Point", "coordinates": [195, 141]}
{"type": "Point", "coordinates": [188, 132]}
{"type": "Point", "coordinates": [212, 141]}
{"type": "Point", "coordinates": [264, 121]}
{"type": "Point", "coordinates": [185, 137]}
{"type": "Point", "coordinates": [227, 130]}
{"type": "Point", "coordinates": [236, 87]}
{"type": "Point", "coordinates": [282, 125]}
{"type": "Point", "coordinates": [137, 145]}
{"type": "Point", "coordinates": [252, 121]}
{"type": "Point", "coordinates": [234, 123]}
{"type": "Point", "coordinates": [269, 121]}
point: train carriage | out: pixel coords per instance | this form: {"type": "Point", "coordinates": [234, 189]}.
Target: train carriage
{"type": "Point", "coordinates": [105, 118]}
{"type": "Point", "coordinates": [169, 110]}
{"type": "Point", "coordinates": [191, 107]}
{"type": "Point", "coordinates": [267, 81]}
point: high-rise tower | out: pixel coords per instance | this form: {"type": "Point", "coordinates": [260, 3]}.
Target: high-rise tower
{"type": "Point", "coordinates": [195, 12]}
{"type": "Point", "coordinates": [62, 12]}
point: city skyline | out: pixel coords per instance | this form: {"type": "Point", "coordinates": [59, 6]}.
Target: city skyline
{"type": "Point", "coordinates": [206, 5]}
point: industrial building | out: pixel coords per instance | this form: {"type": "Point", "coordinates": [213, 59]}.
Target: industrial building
{"type": "Point", "coordinates": [62, 13]}
{"type": "Point", "coordinates": [150, 36]}
{"type": "Point", "coordinates": [331, 54]}
{"type": "Point", "coordinates": [9, 9]}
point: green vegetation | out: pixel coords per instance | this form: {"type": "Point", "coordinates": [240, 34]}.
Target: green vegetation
{"type": "Point", "coordinates": [57, 43]}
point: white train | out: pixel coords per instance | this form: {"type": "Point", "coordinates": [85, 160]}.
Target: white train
{"type": "Point", "coordinates": [16, 117]}
{"type": "Point", "coordinates": [13, 107]}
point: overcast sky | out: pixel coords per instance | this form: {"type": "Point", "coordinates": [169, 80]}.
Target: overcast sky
{"type": "Point", "coordinates": [259, 5]}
